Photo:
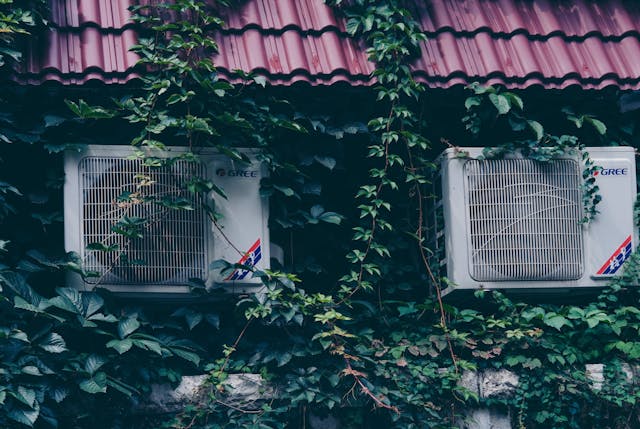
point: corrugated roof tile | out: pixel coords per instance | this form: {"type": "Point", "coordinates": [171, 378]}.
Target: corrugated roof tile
{"type": "Point", "coordinates": [305, 15]}
{"type": "Point", "coordinates": [518, 43]}
{"type": "Point", "coordinates": [89, 50]}
{"type": "Point", "coordinates": [574, 18]}
{"type": "Point", "coordinates": [107, 14]}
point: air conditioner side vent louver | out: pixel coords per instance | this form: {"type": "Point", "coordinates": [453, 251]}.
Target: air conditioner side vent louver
{"type": "Point", "coordinates": [172, 245]}
{"type": "Point", "coordinates": [524, 219]}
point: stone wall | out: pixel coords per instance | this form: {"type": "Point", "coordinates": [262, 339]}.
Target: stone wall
{"type": "Point", "coordinates": [249, 391]}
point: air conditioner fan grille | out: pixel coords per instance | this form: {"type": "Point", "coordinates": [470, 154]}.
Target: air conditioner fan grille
{"type": "Point", "coordinates": [524, 218]}
{"type": "Point", "coordinates": [173, 244]}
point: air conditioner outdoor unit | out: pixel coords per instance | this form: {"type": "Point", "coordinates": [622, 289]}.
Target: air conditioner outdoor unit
{"type": "Point", "coordinates": [515, 223]}
{"type": "Point", "coordinates": [109, 192]}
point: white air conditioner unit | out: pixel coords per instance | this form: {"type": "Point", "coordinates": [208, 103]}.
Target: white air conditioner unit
{"type": "Point", "coordinates": [515, 223]}
{"type": "Point", "coordinates": [108, 191]}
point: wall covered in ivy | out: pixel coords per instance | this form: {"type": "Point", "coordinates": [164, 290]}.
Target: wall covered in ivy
{"type": "Point", "coordinates": [351, 323]}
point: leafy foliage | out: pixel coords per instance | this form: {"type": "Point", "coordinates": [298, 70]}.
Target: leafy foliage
{"type": "Point", "coordinates": [353, 324]}
{"type": "Point", "coordinates": [18, 18]}
{"type": "Point", "coordinates": [529, 138]}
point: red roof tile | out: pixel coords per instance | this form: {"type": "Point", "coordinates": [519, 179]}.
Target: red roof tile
{"type": "Point", "coordinates": [572, 18]}
{"type": "Point", "coordinates": [105, 14]}
{"type": "Point", "coordinates": [518, 43]}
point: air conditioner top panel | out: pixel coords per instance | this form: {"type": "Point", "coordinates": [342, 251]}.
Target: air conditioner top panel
{"type": "Point", "coordinates": [127, 150]}
{"type": "Point", "coordinates": [477, 152]}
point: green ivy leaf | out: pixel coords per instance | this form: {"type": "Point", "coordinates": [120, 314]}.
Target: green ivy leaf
{"type": "Point", "coordinates": [96, 384]}
{"type": "Point", "coordinates": [25, 395]}
{"type": "Point", "coordinates": [121, 346]}
{"type": "Point", "coordinates": [150, 345]}
{"type": "Point", "coordinates": [501, 103]}
{"type": "Point", "coordinates": [556, 321]}
{"type": "Point", "coordinates": [99, 317]}
{"type": "Point", "coordinates": [514, 100]}
{"type": "Point", "coordinates": [19, 302]}
{"type": "Point", "coordinates": [285, 190]}
{"type": "Point", "coordinates": [593, 318]}
{"type": "Point", "coordinates": [26, 417]}
{"type": "Point", "coordinates": [26, 298]}
{"type": "Point", "coordinates": [532, 363]}
{"type": "Point", "coordinates": [298, 319]}
{"type": "Point", "coordinates": [472, 102]}
{"type": "Point", "coordinates": [58, 394]}
{"type": "Point", "coordinates": [68, 299]}
{"type": "Point", "coordinates": [537, 129]}
{"type": "Point", "coordinates": [19, 335]}
{"type": "Point", "coordinates": [331, 217]}
{"type": "Point", "coordinates": [31, 370]}
{"type": "Point", "coordinates": [600, 127]}
{"type": "Point", "coordinates": [316, 211]}
{"type": "Point", "coordinates": [407, 309]}
{"type": "Point", "coordinates": [575, 313]}
{"type": "Point", "coordinates": [260, 80]}
{"type": "Point", "coordinates": [91, 303]}
{"type": "Point", "coordinates": [352, 26]}
{"type": "Point", "coordinates": [93, 363]}
{"type": "Point", "coordinates": [127, 326]}
{"type": "Point", "coordinates": [186, 355]}
{"type": "Point", "coordinates": [283, 358]}
{"type": "Point", "coordinates": [53, 343]}
{"type": "Point", "coordinates": [85, 111]}
{"type": "Point", "coordinates": [326, 161]}
{"type": "Point", "coordinates": [193, 319]}
{"type": "Point", "coordinates": [533, 313]}
{"type": "Point", "coordinates": [53, 120]}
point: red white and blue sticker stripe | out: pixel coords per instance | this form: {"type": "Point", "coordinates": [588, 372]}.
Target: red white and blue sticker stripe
{"type": "Point", "coordinates": [616, 260]}
{"type": "Point", "coordinates": [249, 259]}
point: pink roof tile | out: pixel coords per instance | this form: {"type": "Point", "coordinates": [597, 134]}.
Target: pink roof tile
{"type": "Point", "coordinates": [518, 43]}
